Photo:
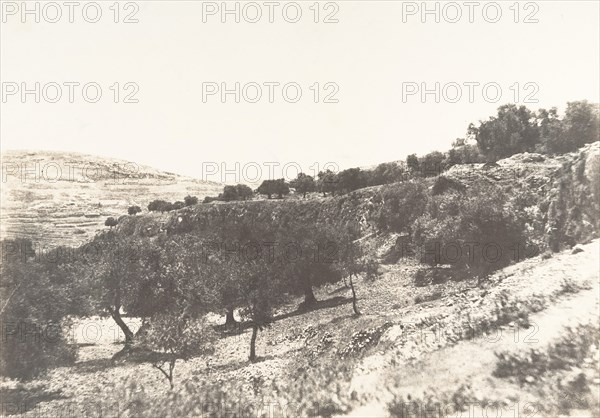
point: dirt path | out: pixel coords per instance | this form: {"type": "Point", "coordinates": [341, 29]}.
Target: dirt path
{"type": "Point", "coordinates": [473, 361]}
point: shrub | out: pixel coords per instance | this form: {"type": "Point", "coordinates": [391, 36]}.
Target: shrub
{"type": "Point", "coordinates": [570, 351]}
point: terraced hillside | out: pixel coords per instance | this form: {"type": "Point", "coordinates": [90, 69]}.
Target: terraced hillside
{"type": "Point", "coordinates": [64, 198]}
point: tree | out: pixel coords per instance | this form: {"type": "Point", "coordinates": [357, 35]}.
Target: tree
{"type": "Point", "coordinates": [178, 205]}
{"type": "Point", "coordinates": [402, 203]}
{"type": "Point", "coordinates": [432, 164]}
{"type": "Point", "coordinates": [281, 187]}
{"type": "Point", "coordinates": [160, 206]}
{"type": "Point", "coordinates": [387, 173]}
{"type": "Point", "coordinates": [133, 210]}
{"type": "Point", "coordinates": [310, 258]}
{"type": "Point", "coordinates": [303, 184]}
{"type": "Point", "coordinates": [351, 179]}
{"type": "Point", "coordinates": [412, 162]}
{"type": "Point", "coordinates": [327, 182]}
{"type": "Point", "coordinates": [244, 192]}
{"type": "Point", "coordinates": [252, 282]}
{"type": "Point", "coordinates": [551, 132]}
{"type": "Point", "coordinates": [353, 262]}
{"type": "Point", "coordinates": [271, 187]}
{"type": "Point", "coordinates": [112, 277]}
{"type": "Point", "coordinates": [110, 222]}
{"type": "Point", "coordinates": [580, 125]}
{"type": "Point", "coordinates": [261, 292]}
{"type": "Point", "coordinates": [172, 337]}
{"type": "Point", "coordinates": [463, 153]}
{"type": "Point", "coordinates": [474, 221]}
{"type": "Point", "coordinates": [230, 193]}
{"type": "Point", "coordinates": [512, 131]}
{"type": "Point", "coordinates": [267, 187]}
{"type": "Point", "coordinates": [37, 297]}
{"type": "Point", "coordinates": [190, 200]}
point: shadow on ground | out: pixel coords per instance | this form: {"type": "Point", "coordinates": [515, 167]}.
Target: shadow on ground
{"type": "Point", "coordinates": [21, 399]}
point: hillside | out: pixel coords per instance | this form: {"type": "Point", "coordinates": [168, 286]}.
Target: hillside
{"type": "Point", "coordinates": [431, 347]}
{"type": "Point", "coordinates": [64, 198]}
{"type": "Point", "coordinates": [430, 339]}
{"type": "Point", "coordinates": [559, 194]}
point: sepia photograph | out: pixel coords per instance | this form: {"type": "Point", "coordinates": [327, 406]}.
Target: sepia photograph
{"type": "Point", "coordinates": [299, 209]}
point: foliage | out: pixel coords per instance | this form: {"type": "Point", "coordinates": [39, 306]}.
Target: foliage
{"type": "Point", "coordinates": [303, 184]}
{"type": "Point", "coordinates": [517, 129]}
{"type": "Point", "coordinates": [402, 203]}
{"type": "Point", "coordinates": [237, 192]}
{"type": "Point", "coordinates": [271, 187]}
{"type": "Point", "coordinates": [160, 206]}
{"type": "Point", "coordinates": [412, 162]}
{"type": "Point", "coordinates": [351, 179]}
{"type": "Point", "coordinates": [244, 192]}
{"type": "Point", "coordinates": [476, 230]}
{"type": "Point", "coordinates": [327, 182]}
{"type": "Point", "coordinates": [133, 210]}
{"type": "Point", "coordinates": [110, 222]}
{"type": "Point", "coordinates": [178, 205]}
{"type": "Point", "coordinates": [387, 173]}
{"type": "Point", "coordinates": [432, 164]}
{"type": "Point", "coordinates": [190, 200]}
{"type": "Point", "coordinates": [580, 125]}
{"type": "Point", "coordinates": [171, 337]}
{"type": "Point", "coordinates": [36, 298]}
{"type": "Point", "coordinates": [513, 130]}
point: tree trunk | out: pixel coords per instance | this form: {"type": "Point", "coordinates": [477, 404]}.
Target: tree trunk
{"type": "Point", "coordinates": [309, 296]}
{"type": "Point", "coordinates": [230, 321]}
{"type": "Point", "coordinates": [354, 304]}
{"type": "Point", "coordinates": [253, 342]}
{"type": "Point", "coordinates": [171, 368]}
{"type": "Point", "coordinates": [116, 315]}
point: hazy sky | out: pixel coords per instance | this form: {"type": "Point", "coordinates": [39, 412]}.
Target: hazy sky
{"type": "Point", "coordinates": [369, 53]}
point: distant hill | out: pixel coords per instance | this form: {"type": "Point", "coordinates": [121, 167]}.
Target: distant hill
{"type": "Point", "coordinates": [57, 198]}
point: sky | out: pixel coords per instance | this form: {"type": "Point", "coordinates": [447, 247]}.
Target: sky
{"type": "Point", "coordinates": [371, 60]}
